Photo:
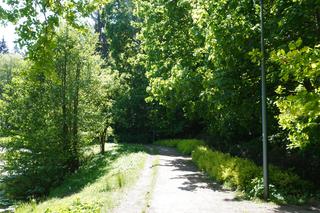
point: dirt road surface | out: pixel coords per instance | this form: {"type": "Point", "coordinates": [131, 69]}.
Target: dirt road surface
{"type": "Point", "coordinates": [179, 187]}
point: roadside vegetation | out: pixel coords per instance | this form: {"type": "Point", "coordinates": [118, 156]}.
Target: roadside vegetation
{"type": "Point", "coordinates": [87, 72]}
{"type": "Point", "coordinates": [97, 186]}
{"type": "Point", "coordinates": [185, 146]}
{"type": "Point", "coordinates": [244, 175]}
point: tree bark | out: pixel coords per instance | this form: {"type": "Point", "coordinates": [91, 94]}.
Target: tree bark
{"type": "Point", "coordinates": [103, 140]}
{"type": "Point", "coordinates": [75, 138]}
{"type": "Point", "coordinates": [64, 102]}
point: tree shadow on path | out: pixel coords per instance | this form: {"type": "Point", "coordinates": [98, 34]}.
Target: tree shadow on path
{"type": "Point", "coordinates": [194, 180]}
{"type": "Point", "coordinates": [186, 170]}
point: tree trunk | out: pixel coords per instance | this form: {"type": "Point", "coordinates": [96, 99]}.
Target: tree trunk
{"type": "Point", "coordinates": [99, 26]}
{"type": "Point", "coordinates": [64, 103]}
{"type": "Point", "coordinates": [75, 138]}
{"type": "Point", "coordinates": [103, 140]}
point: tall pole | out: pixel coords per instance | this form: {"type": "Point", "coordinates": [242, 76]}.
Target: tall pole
{"type": "Point", "coordinates": [264, 110]}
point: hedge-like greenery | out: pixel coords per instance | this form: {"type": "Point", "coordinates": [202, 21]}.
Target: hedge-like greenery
{"type": "Point", "coordinates": [235, 171]}
{"type": "Point", "coordinates": [246, 176]}
{"type": "Point", "coordinates": [242, 174]}
{"type": "Point", "coordinates": [169, 143]}
{"type": "Point", "coordinates": [185, 146]}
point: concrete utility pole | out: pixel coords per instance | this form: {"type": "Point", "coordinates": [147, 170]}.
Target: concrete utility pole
{"type": "Point", "coordinates": [264, 110]}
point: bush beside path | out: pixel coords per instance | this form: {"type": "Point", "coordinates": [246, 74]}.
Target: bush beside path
{"type": "Point", "coordinates": [181, 187]}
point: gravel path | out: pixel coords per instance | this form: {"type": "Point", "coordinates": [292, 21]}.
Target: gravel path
{"type": "Point", "coordinates": [181, 188]}
{"type": "Point", "coordinates": [174, 185]}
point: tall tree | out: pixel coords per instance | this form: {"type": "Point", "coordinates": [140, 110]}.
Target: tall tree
{"type": "Point", "coordinates": [171, 53]}
{"type": "Point", "coordinates": [48, 112]}
{"type": "Point", "coordinates": [119, 47]}
{"type": "Point", "coordinates": [202, 58]}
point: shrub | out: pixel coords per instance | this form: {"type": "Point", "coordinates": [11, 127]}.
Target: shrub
{"type": "Point", "coordinates": [257, 190]}
{"type": "Point", "coordinates": [185, 146]}
{"type": "Point", "coordinates": [169, 143]}
{"type": "Point", "coordinates": [246, 176]}
{"type": "Point", "coordinates": [288, 183]}
{"type": "Point", "coordinates": [242, 174]}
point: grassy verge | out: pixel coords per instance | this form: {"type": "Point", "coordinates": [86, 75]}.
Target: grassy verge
{"type": "Point", "coordinates": [98, 185]}
{"type": "Point", "coordinates": [149, 193]}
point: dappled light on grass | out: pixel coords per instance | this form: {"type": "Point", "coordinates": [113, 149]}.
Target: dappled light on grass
{"type": "Point", "coordinates": [96, 166]}
{"type": "Point", "coordinates": [97, 184]}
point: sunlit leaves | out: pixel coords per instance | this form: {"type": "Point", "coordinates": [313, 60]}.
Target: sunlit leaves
{"type": "Point", "coordinates": [51, 106]}
{"type": "Point", "coordinates": [35, 18]}
{"type": "Point", "coordinates": [300, 110]}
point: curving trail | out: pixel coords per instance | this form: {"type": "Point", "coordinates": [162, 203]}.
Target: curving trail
{"type": "Point", "coordinates": [180, 188]}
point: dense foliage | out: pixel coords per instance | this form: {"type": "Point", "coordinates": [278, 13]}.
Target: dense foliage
{"type": "Point", "coordinates": [299, 102]}
{"type": "Point", "coordinates": [119, 47]}
{"type": "Point", "coordinates": [157, 69]}
{"type": "Point", "coordinates": [202, 62]}
{"type": "Point", "coordinates": [48, 112]}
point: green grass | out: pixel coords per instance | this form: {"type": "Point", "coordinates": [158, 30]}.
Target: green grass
{"type": "Point", "coordinates": [98, 186]}
{"type": "Point", "coordinates": [149, 194]}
